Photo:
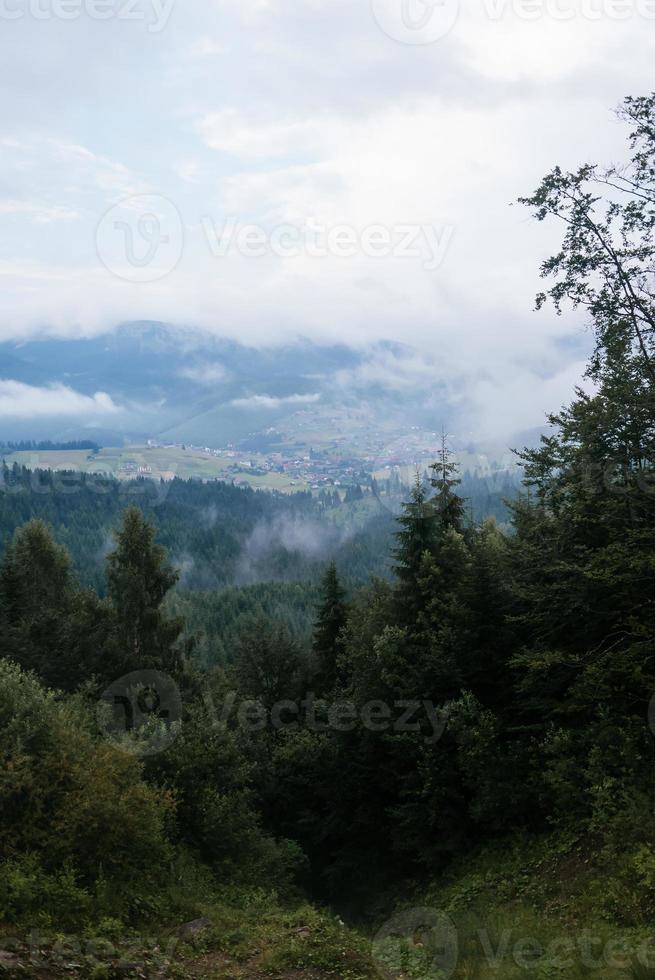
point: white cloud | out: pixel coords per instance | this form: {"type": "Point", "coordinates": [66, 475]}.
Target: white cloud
{"type": "Point", "coordinates": [205, 47]}
{"type": "Point", "coordinates": [39, 214]}
{"type": "Point", "coordinates": [519, 401]}
{"type": "Point", "coordinates": [231, 132]}
{"type": "Point", "coordinates": [189, 171]}
{"type": "Point", "coordinates": [107, 175]}
{"type": "Point", "coordinates": [206, 374]}
{"type": "Point", "coordinates": [269, 402]}
{"type": "Point", "coordinates": [398, 371]}
{"type": "Point", "coordinates": [21, 401]}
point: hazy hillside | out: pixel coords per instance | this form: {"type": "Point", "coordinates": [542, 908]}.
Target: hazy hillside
{"type": "Point", "coordinates": [182, 385]}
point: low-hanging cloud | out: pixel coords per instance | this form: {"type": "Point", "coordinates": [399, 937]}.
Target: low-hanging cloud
{"type": "Point", "coordinates": [21, 401]}
{"type": "Point", "coordinates": [270, 402]}
{"type": "Point", "coordinates": [308, 539]}
{"type": "Point", "coordinates": [205, 374]}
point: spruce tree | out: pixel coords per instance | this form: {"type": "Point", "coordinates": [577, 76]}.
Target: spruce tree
{"type": "Point", "coordinates": [330, 622]}
{"type": "Point", "coordinates": [36, 573]}
{"type": "Point", "coordinates": [49, 625]}
{"type": "Point", "coordinates": [415, 539]}
{"type": "Point", "coordinates": [269, 664]}
{"type": "Point", "coordinates": [449, 508]}
{"type": "Point", "coordinates": [138, 580]}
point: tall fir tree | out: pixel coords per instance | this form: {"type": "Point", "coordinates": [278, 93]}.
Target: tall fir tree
{"type": "Point", "coordinates": [269, 665]}
{"type": "Point", "coordinates": [49, 625]}
{"type": "Point", "coordinates": [415, 539]}
{"type": "Point", "coordinates": [330, 622]}
{"type": "Point", "coordinates": [138, 580]}
{"type": "Point", "coordinates": [450, 508]}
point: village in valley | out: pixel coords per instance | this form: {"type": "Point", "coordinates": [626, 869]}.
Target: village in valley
{"type": "Point", "coordinates": [367, 462]}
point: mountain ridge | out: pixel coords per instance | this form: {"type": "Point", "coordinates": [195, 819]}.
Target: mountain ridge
{"type": "Point", "coordinates": [191, 385]}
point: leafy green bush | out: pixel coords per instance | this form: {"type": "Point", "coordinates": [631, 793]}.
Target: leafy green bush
{"type": "Point", "coordinates": [29, 893]}
{"type": "Point", "coordinates": [70, 801]}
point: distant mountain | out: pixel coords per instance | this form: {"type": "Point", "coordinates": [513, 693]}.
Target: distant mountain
{"type": "Point", "coordinates": [182, 385]}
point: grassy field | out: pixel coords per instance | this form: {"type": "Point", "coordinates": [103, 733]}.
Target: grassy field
{"type": "Point", "coordinates": [161, 463]}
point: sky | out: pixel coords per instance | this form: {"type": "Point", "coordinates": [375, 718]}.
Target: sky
{"type": "Point", "coordinates": [342, 170]}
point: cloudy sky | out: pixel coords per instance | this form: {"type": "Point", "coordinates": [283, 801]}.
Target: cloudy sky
{"type": "Point", "coordinates": [337, 169]}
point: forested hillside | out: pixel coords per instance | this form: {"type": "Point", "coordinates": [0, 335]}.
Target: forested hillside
{"type": "Point", "coordinates": [219, 534]}
{"type": "Point", "coordinates": [241, 554]}
{"type": "Point", "coordinates": [216, 533]}
{"type": "Point", "coordinates": [472, 733]}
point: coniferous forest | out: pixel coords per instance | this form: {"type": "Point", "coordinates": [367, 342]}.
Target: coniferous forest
{"type": "Point", "coordinates": [427, 750]}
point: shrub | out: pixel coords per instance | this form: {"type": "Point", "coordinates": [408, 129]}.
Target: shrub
{"type": "Point", "coordinates": [71, 801]}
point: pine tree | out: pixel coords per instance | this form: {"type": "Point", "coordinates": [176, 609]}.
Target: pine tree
{"type": "Point", "coordinates": [36, 573]}
{"type": "Point", "coordinates": [432, 566]}
{"type": "Point", "coordinates": [49, 625]}
{"type": "Point", "coordinates": [330, 622]}
{"type": "Point", "coordinates": [269, 664]}
{"type": "Point", "coordinates": [416, 538]}
{"type": "Point", "coordinates": [138, 581]}
{"type": "Point", "coordinates": [449, 507]}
